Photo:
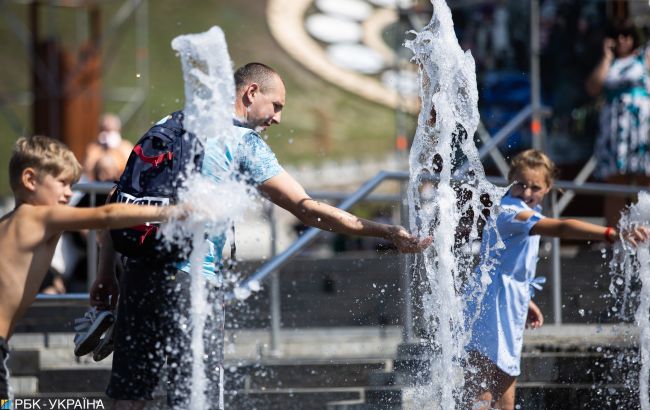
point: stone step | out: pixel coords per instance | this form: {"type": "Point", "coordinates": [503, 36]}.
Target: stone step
{"type": "Point", "coordinates": [289, 399]}
{"type": "Point", "coordinates": [529, 396]}
{"type": "Point", "coordinates": [302, 375]}
{"type": "Point", "coordinates": [246, 345]}
{"type": "Point", "coordinates": [583, 373]}
{"type": "Point", "coordinates": [579, 368]}
{"type": "Point", "coordinates": [544, 396]}
{"type": "Point", "coordinates": [73, 380]}
{"type": "Point", "coordinates": [24, 362]}
{"type": "Point", "coordinates": [560, 367]}
{"type": "Point", "coordinates": [24, 385]}
{"type": "Point", "coordinates": [364, 290]}
{"type": "Point", "coordinates": [247, 377]}
{"type": "Point", "coordinates": [360, 405]}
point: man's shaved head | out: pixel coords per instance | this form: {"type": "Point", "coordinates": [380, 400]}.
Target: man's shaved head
{"type": "Point", "coordinates": [255, 73]}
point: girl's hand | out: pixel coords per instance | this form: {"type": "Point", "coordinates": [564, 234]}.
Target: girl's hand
{"type": "Point", "coordinates": [636, 235]}
{"type": "Point", "coordinates": [535, 318]}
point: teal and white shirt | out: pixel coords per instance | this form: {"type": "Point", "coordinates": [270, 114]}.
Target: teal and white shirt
{"type": "Point", "coordinates": [253, 159]}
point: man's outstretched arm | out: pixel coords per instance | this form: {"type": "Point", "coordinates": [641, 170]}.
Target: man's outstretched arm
{"type": "Point", "coordinates": [283, 190]}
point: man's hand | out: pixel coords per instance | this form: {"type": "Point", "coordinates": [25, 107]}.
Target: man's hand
{"type": "Point", "coordinates": [535, 318]}
{"type": "Point", "coordinates": [405, 242]}
{"type": "Point", "coordinates": [104, 292]}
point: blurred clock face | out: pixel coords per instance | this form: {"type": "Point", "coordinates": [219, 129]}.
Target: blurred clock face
{"type": "Point", "coordinates": [350, 43]}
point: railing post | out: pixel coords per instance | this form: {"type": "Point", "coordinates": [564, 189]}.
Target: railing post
{"type": "Point", "coordinates": [537, 127]}
{"type": "Point", "coordinates": [91, 247]}
{"type": "Point", "coordinates": [406, 267]}
{"type": "Point", "coordinates": [555, 260]}
{"type": "Point", "coordinates": [274, 290]}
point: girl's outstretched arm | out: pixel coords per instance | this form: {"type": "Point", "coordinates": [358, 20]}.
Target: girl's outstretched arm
{"type": "Point", "coordinates": [575, 229]}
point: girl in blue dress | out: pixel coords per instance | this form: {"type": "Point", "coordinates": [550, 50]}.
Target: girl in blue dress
{"type": "Point", "coordinates": [498, 320]}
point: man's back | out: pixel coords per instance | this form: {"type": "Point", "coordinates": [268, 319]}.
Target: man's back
{"type": "Point", "coordinates": [243, 155]}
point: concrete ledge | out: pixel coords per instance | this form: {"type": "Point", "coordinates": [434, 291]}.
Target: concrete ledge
{"type": "Point", "coordinates": [581, 336]}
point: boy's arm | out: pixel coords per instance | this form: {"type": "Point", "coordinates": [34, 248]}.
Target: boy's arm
{"type": "Point", "coordinates": [283, 190]}
{"type": "Point", "coordinates": [66, 218]}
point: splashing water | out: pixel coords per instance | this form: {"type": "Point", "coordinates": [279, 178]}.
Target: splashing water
{"type": "Point", "coordinates": [209, 107]}
{"type": "Point", "coordinates": [630, 265]}
{"type": "Point", "coordinates": [209, 83]}
{"type": "Point", "coordinates": [449, 199]}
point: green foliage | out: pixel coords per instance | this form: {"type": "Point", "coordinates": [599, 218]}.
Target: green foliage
{"type": "Point", "coordinates": [320, 120]}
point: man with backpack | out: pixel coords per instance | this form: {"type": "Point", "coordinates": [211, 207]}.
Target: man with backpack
{"type": "Point", "coordinates": [150, 327]}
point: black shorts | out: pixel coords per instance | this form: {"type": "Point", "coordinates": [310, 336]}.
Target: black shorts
{"type": "Point", "coordinates": [153, 327]}
{"type": "Point", "coordinates": [4, 370]}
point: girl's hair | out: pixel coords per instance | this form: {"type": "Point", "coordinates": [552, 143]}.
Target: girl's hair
{"type": "Point", "coordinates": [45, 155]}
{"type": "Point", "coordinates": [533, 158]}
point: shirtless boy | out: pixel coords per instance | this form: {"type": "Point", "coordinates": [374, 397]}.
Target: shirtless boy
{"type": "Point", "coordinates": [41, 171]}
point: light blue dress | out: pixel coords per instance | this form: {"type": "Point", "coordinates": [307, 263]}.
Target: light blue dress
{"type": "Point", "coordinates": [253, 159]}
{"type": "Point", "coordinates": [498, 330]}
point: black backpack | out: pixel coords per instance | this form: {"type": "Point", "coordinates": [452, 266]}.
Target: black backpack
{"type": "Point", "coordinates": [154, 172]}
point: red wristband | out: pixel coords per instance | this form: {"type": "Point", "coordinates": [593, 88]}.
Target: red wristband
{"type": "Point", "coordinates": [608, 234]}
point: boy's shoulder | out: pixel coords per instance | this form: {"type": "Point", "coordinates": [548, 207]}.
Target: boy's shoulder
{"type": "Point", "coordinates": [24, 212]}
{"type": "Point", "coordinates": [24, 227]}
{"type": "Point", "coordinates": [36, 214]}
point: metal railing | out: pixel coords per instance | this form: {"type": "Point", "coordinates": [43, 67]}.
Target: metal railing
{"type": "Point", "coordinates": [92, 189]}
{"type": "Point", "coordinates": [310, 236]}
{"type": "Point", "coordinates": [364, 193]}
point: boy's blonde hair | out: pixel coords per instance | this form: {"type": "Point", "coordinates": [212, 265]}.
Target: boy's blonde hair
{"type": "Point", "coordinates": [533, 158]}
{"type": "Point", "coordinates": [45, 155]}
